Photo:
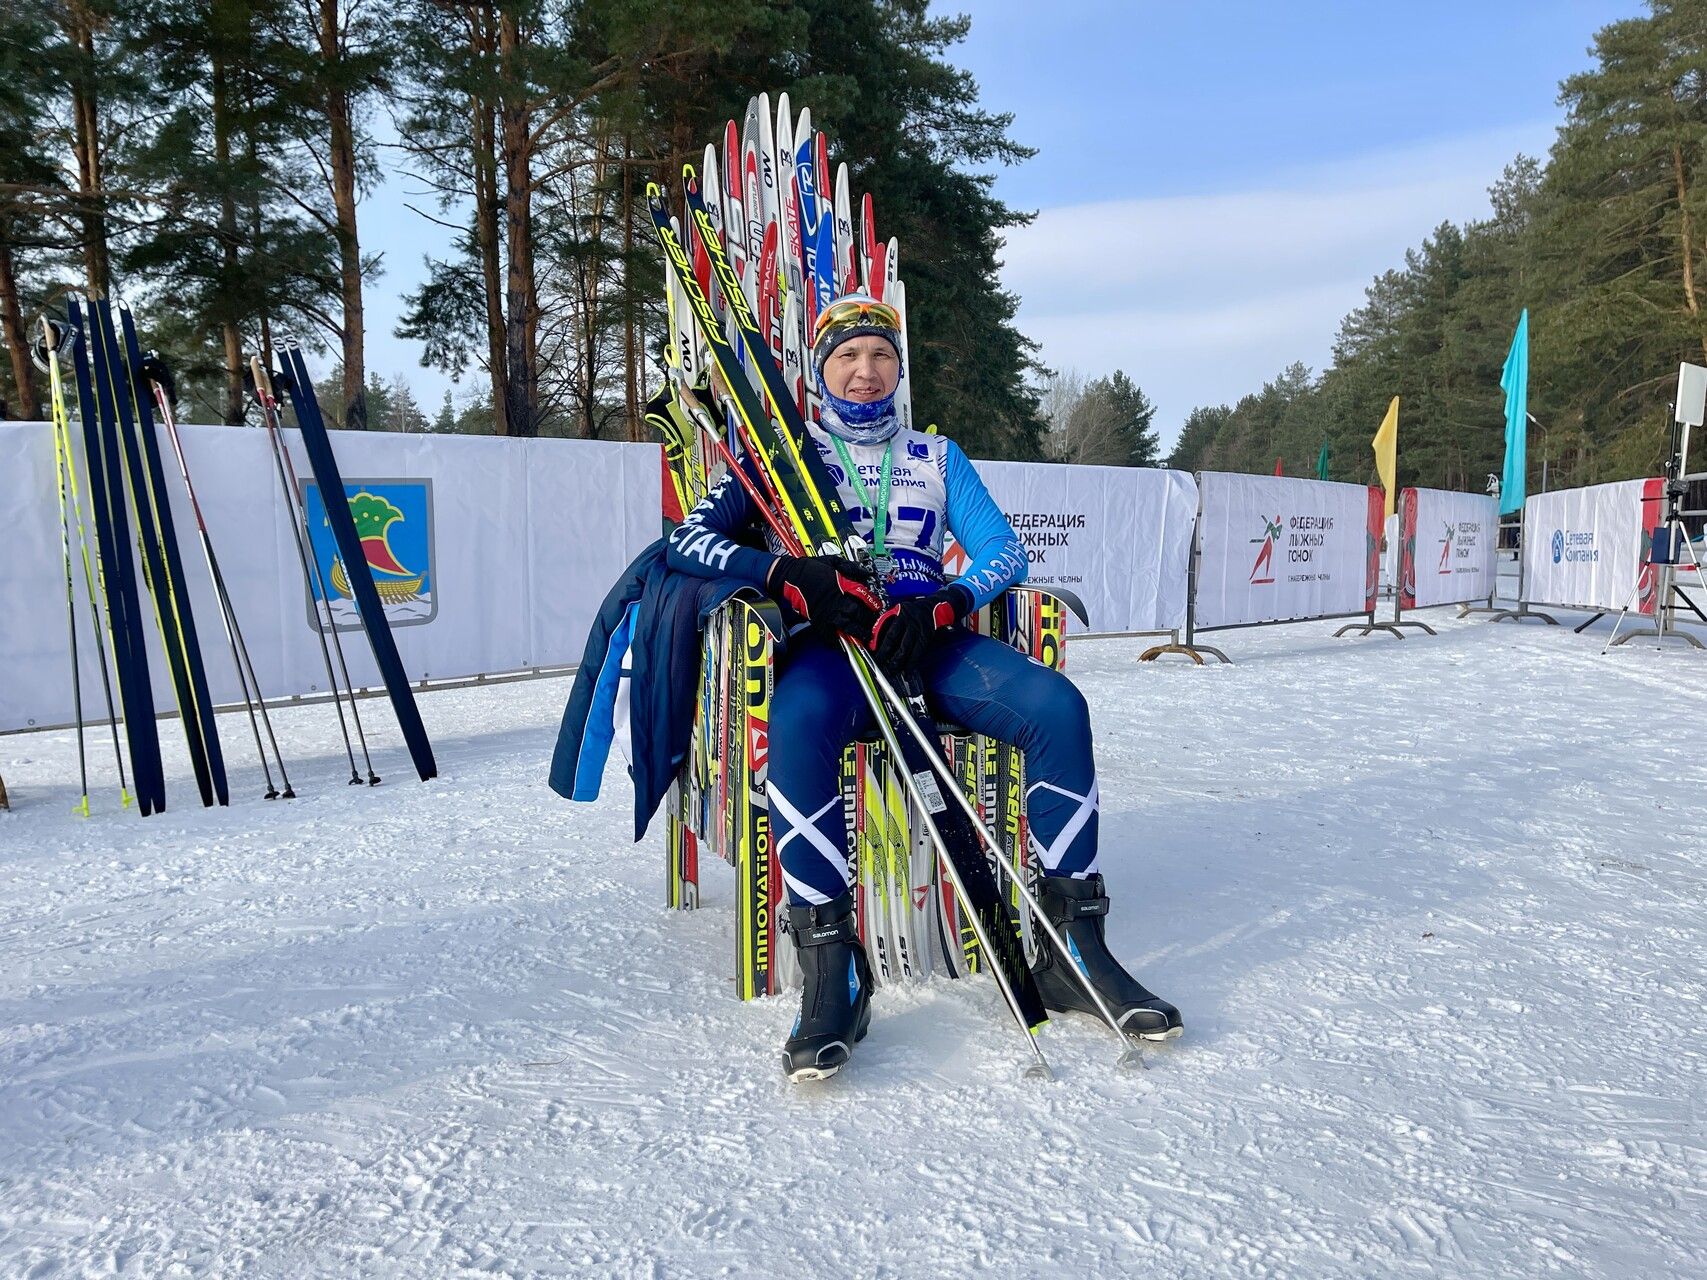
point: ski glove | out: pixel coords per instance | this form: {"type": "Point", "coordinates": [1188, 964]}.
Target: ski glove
{"type": "Point", "coordinates": [902, 633]}
{"type": "Point", "coordinates": [827, 591]}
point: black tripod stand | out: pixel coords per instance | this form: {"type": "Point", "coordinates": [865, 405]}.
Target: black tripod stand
{"type": "Point", "coordinates": [1667, 547]}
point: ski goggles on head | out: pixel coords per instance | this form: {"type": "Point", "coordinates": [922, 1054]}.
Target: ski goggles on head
{"type": "Point", "coordinates": [856, 311]}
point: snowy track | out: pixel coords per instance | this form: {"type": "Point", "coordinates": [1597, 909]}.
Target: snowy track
{"type": "Point", "coordinates": [1433, 910]}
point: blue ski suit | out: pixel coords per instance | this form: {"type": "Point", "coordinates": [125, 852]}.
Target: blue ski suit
{"type": "Point", "coordinates": [972, 680]}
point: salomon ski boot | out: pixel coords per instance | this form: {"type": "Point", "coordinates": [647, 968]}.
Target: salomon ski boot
{"type": "Point", "coordinates": [1077, 909]}
{"type": "Point", "coordinates": [835, 1006]}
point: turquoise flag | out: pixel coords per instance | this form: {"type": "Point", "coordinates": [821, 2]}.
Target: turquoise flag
{"type": "Point", "coordinates": [1322, 462]}
{"type": "Point", "coordinates": [1514, 381]}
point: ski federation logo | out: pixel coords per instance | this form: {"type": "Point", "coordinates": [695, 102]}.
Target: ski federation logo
{"type": "Point", "coordinates": [1265, 555]}
{"type": "Point", "coordinates": [394, 520]}
{"type": "Point", "coordinates": [1444, 568]}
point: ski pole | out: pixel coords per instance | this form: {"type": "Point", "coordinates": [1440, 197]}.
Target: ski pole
{"type": "Point", "coordinates": [47, 356]}
{"type": "Point", "coordinates": [903, 709]}
{"type": "Point", "coordinates": [860, 660]}
{"type": "Point", "coordinates": [154, 372]}
{"type": "Point", "coordinates": [332, 624]}
{"type": "Point", "coordinates": [81, 808]}
{"type": "Point", "coordinates": [298, 528]}
{"type": "Point", "coordinates": [864, 667]}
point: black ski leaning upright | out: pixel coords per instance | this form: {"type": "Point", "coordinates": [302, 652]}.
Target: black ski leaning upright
{"type": "Point", "coordinates": [128, 357]}
{"type": "Point", "coordinates": [325, 467]}
{"type": "Point", "coordinates": [117, 574]}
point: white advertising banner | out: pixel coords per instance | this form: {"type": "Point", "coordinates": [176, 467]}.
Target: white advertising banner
{"type": "Point", "coordinates": [491, 555]}
{"type": "Point", "coordinates": [1114, 543]}
{"type": "Point", "coordinates": [1447, 545]}
{"type": "Point", "coordinates": [1582, 548]}
{"type": "Point", "coordinates": [1279, 549]}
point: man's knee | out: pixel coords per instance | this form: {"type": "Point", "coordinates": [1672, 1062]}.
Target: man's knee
{"type": "Point", "coordinates": [810, 711]}
{"type": "Point", "coordinates": [1053, 706]}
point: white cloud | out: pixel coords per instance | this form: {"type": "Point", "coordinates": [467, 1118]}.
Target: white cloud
{"type": "Point", "coordinates": [1203, 298]}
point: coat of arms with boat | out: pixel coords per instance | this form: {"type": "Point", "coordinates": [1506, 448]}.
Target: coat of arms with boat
{"type": "Point", "coordinates": [394, 520]}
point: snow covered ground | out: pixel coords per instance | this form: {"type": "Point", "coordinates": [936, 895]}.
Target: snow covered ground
{"type": "Point", "coordinates": [1433, 910]}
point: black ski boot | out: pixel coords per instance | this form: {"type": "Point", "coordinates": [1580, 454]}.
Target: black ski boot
{"type": "Point", "coordinates": [835, 1007]}
{"type": "Point", "coordinates": [1077, 908]}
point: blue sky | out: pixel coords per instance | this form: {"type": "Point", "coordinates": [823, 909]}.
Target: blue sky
{"type": "Point", "coordinates": [1216, 182]}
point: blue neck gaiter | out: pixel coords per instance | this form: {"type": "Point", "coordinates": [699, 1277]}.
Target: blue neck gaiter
{"type": "Point", "coordinates": [857, 422]}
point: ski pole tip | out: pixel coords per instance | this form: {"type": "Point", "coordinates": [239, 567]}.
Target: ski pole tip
{"type": "Point", "coordinates": [1133, 1060]}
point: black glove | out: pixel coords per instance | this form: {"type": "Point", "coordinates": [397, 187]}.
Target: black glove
{"type": "Point", "coordinates": [902, 633]}
{"type": "Point", "coordinates": [827, 591]}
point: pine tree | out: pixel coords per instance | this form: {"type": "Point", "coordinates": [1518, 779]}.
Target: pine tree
{"type": "Point", "coordinates": [913, 132]}
{"type": "Point", "coordinates": [1135, 416]}
{"type": "Point", "coordinates": [31, 193]}
{"type": "Point", "coordinates": [1202, 425]}
{"type": "Point", "coordinates": [1106, 422]}
{"type": "Point", "coordinates": [1604, 245]}
{"type": "Point", "coordinates": [332, 58]}
{"type": "Point", "coordinates": [225, 250]}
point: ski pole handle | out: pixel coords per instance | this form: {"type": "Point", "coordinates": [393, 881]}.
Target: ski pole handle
{"type": "Point", "coordinates": [263, 380]}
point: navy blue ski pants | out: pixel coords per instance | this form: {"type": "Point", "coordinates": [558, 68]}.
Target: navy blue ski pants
{"type": "Point", "coordinates": [972, 680]}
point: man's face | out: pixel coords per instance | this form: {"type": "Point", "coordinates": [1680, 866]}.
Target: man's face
{"type": "Point", "coordinates": [862, 369]}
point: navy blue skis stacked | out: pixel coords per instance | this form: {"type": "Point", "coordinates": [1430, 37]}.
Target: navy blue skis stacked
{"type": "Point", "coordinates": [366, 596]}
{"type": "Point", "coordinates": [118, 574]}
{"type": "Point", "coordinates": [162, 562]}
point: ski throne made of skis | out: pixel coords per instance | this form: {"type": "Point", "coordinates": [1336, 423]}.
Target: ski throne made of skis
{"type": "Point", "coordinates": [908, 917]}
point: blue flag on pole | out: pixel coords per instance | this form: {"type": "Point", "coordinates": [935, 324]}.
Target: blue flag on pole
{"type": "Point", "coordinates": [1514, 381]}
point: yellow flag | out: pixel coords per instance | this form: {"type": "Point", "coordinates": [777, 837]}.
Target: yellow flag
{"type": "Point", "coordinates": [1386, 444]}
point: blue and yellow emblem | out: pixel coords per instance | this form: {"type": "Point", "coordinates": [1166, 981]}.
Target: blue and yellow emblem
{"type": "Point", "coordinates": [394, 520]}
